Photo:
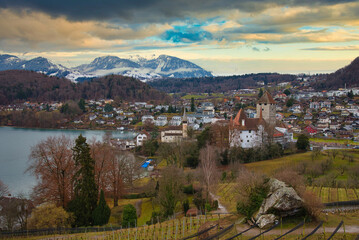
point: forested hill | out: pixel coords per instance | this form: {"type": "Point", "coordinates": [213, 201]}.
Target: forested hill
{"type": "Point", "coordinates": [218, 84]}
{"type": "Point", "coordinates": [21, 85]}
{"type": "Point", "coordinates": [348, 75]}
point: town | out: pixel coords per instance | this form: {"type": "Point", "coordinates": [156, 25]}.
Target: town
{"type": "Point", "coordinates": [330, 114]}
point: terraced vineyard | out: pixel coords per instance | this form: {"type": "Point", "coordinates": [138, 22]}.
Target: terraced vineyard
{"type": "Point", "coordinates": [327, 194]}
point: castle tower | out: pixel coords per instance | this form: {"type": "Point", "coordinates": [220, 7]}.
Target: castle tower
{"type": "Point", "coordinates": [266, 108]}
{"type": "Point", "coordinates": [184, 124]}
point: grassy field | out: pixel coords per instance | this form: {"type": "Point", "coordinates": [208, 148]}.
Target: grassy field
{"type": "Point", "coordinates": [340, 141]}
{"type": "Point", "coordinates": [195, 96]}
{"type": "Point", "coordinates": [146, 211]}
{"type": "Point", "coordinates": [270, 166]}
{"type": "Point", "coordinates": [227, 193]}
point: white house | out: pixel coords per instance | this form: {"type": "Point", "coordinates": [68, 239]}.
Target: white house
{"type": "Point", "coordinates": [175, 121]}
{"type": "Point", "coordinates": [161, 121]}
{"type": "Point", "coordinates": [141, 137]}
{"type": "Point", "coordinates": [147, 118]}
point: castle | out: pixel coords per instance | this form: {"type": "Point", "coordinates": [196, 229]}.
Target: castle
{"type": "Point", "coordinates": [254, 132]}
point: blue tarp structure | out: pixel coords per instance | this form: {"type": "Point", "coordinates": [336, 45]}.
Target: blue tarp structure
{"type": "Point", "coordinates": [146, 163]}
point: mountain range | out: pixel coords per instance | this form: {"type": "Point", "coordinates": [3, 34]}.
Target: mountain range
{"type": "Point", "coordinates": [163, 66]}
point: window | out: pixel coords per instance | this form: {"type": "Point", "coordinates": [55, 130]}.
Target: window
{"type": "Point", "coordinates": [250, 131]}
{"type": "Point", "coordinates": [247, 140]}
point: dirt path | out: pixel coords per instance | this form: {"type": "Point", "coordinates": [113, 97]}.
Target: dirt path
{"type": "Point", "coordinates": [221, 209]}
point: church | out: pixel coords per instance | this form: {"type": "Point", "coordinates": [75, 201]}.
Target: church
{"type": "Point", "coordinates": [175, 133]}
{"type": "Point", "coordinates": [254, 132]}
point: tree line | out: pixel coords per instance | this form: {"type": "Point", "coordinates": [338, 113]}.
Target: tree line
{"type": "Point", "coordinates": [218, 84]}
{"type": "Point", "coordinates": [21, 85]}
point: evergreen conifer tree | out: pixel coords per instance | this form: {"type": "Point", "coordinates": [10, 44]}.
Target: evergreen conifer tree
{"type": "Point", "coordinates": [85, 199]}
{"type": "Point", "coordinates": [260, 94]}
{"type": "Point", "coordinates": [102, 213]}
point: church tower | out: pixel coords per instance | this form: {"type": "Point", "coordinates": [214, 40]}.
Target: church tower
{"type": "Point", "coordinates": [184, 124]}
{"type": "Point", "coordinates": [266, 108]}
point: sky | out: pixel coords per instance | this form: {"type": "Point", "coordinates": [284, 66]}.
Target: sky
{"type": "Point", "coordinates": [225, 37]}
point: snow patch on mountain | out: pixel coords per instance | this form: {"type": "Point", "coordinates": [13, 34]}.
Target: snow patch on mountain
{"type": "Point", "coordinates": [151, 67]}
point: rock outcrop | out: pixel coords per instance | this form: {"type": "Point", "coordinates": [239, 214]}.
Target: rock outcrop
{"type": "Point", "coordinates": [282, 201]}
{"type": "Point", "coordinates": [266, 220]}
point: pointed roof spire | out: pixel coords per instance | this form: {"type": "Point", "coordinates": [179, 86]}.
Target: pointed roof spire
{"type": "Point", "coordinates": [266, 98]}
{"type": "Point", "coordinates": [184, 118]}
{"type": "Point", "coordinates": [240, 116]}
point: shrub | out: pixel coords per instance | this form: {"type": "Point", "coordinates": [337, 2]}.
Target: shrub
{"type": "Point", "coordinates": [291, 178]}
{"type": "Point", "coordinates": [199, 201]}
{"type": "Point", "coordinates": [208, 207]}
{"type": "Point", "coordinates": [129, 216]}
{"type": "Point", "coordinates": [302, 142]}
{"type": "Point", "coordinates": [155, 218]}
{"type": "Point", "coordinates": [256, 197]}
{"type": "Point", "coordinates": [135, 195]}
{"type": "Point", "coordinates": [224, 176]}
{"type": "Point", "coordinates": [312, 204]}
{"type": "Point", "coordinates": [49, 216]}
{"type": "Point", "coordinates": [185, 206]}
{"type": "Point", "coordinates": [253, 190]}
{"type": "Point", "coordinates": [188, 189]}
{"type": "Point", "coordinates": [215, 204]}
{"type": "Point", "coordinates": [102, 212]}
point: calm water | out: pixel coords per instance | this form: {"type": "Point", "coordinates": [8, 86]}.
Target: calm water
{"type": "Point", "coordinates": [15, 147]}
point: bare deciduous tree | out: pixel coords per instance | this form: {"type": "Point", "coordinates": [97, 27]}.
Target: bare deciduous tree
{"type": "Point", "coordinates": [208, 169]}
{"type": "Point", "coordinates": [15, 212]}
{"type": "Point", "coordinates": [3, 189]}
{"type": "Point", "coordinates": [51, 162]}
{"type": "Point", "coordinates": [102, 153]}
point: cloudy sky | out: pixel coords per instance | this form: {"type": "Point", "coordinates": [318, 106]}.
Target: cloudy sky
{"type": "Point", "coordinates": [222, 36]}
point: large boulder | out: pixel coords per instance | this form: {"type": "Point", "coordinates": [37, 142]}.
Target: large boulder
{"type": "Point", "coordinates": [266, 220]}
{"type": "Point", "coordinates": [282, 201]}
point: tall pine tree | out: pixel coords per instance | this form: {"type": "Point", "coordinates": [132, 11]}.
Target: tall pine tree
{"type": "Point", "coordinates": [85, 199]}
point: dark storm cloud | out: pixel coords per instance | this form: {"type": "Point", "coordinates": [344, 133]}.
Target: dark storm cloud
{"type": "Point", "coordinates": [149, 10]}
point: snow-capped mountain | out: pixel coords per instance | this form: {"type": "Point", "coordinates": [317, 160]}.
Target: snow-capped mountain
{"type": "Point", "coordinates": [39, 64]}
{"type": "Point", "coordinates": [136, 66]}
{"type": "Point", "coordinates": [8, 62]}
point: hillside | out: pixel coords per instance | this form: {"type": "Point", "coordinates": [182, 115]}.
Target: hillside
{"type": "Point", "coordinates": [21, 85]}
{"type": "Point", "coordinates": [348, 75]}
{"type": "Point", "coordinates": [218, 84]}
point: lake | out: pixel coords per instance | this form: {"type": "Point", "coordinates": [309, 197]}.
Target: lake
{"type": "Point", "coordinates": [15, 148]}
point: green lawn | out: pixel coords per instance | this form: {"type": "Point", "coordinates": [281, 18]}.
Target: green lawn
{"type": "Point", "coordinates": [195, 96]}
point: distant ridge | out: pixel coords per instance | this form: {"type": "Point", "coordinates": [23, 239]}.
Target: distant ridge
{"type": "Point", "coordinates": [22, 85]}
{"type": "Point", "coordinates": [163, 66]}
{"type": "Point", "coordinates": [346, 76]}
